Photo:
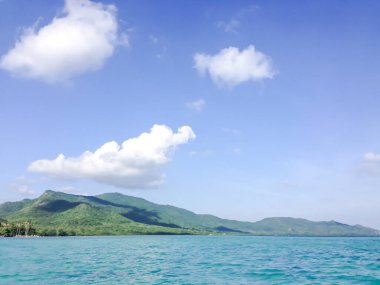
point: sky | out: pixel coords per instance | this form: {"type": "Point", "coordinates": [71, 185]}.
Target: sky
{"type": "Point", "coordinates": [241, 109]}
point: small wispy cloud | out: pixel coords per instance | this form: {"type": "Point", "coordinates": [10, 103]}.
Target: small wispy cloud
{"type": "Point", "coordinates": [370, 156]}
{"type": "Point", "coordinates": [237, 151]}
{"type": "Point", "coordinates": [371, 164]}
{"type": "Point", "coordinates": [71, 190]}
{"type": "Point", "coordinates": [197, 105]}
{"type": "Point", "coordinates": [66, 189]}
{"type": "Point", "coordinates": [229, 26]}
{"type": "Point", "coordinates": [153, 39]}
{"type": "Point", "coordinates": [21, 186]}
{"type": "Point", "coordinates": [231, 131]}
{"type": "Point", "coordinates": [232, 67]}
{"type": "Point", "coordinates": [248, 11]}
{"type": "Point", "coordinates": [158, 45]}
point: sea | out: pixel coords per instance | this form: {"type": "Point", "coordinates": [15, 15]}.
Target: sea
{"type": "Point", "coordinates": [190, 260]}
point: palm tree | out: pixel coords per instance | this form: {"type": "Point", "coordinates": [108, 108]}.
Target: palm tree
{"type": "Point", "coordinates": [28, 226]}
{"type": "Point", "coordinates": [18, 229]}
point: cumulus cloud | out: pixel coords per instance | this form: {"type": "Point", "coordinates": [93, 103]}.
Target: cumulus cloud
{"type": "Point", "coordinates": [133, 164]}
{"type": "Point", "coordinates": [196, 105]}
{"type": "Point", "coordinates": [79, 40]}
{"type": "Point", "coordinates": [370, 156]}
{"type": "Point", "coordinates": [231, 66]}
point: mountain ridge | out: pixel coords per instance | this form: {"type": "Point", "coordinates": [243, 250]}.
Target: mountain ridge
{"type": "Point", "coordinates": [119, 214]}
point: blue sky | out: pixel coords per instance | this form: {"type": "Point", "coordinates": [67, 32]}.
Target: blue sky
{"type": "Point", "coordinates": [242, 109]}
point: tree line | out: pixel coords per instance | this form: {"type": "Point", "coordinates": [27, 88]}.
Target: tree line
{"type": "Point", "coordinates": [16, 229]}
{"type": "Point", "coordinates": [27, 229]}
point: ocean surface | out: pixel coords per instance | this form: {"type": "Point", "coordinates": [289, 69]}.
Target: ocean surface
{"type": "Point", "coordinates": [189, 260]}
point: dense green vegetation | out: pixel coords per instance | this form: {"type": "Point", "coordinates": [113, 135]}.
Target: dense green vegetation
{"type": "Point", "coordinates": [60, 214]}
{"type": "Point", "coordinates": [8, 229]}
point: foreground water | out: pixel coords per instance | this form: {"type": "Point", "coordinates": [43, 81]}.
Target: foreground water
{"type": "Point", "coordinates": [189, 260]}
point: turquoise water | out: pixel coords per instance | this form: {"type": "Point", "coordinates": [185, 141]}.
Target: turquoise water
{"type": "Point", "coordinates": [189, 260]}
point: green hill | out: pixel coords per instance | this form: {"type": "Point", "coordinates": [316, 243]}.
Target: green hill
{"type": "Point", "coordinates": [55, 213]}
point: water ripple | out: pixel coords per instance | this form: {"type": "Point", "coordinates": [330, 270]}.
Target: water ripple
{"type": "Point", "coordinates": [190, 260]}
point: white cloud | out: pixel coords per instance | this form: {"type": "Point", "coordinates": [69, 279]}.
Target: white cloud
{"type": "Point", "coordinates": [80, 39]}
{"type": "Point", "coordinates": [133, 164]}
{"type": "Point", "coordinates": [232, 66]}
{"type": "Point", "coordinates": [197, 105]}
{"type": "Point", "coordinates": [370, 156]}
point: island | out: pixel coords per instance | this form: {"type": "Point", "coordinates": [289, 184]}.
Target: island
{"type": "Point", "coordinates": [61, 214]}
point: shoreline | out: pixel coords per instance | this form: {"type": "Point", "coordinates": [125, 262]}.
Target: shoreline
{"type": "Point", "coordinates": [196, 235]}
